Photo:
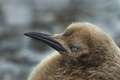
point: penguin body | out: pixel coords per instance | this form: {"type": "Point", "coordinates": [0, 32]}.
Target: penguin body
{"type": "Point", "coordinates": [85, 52]}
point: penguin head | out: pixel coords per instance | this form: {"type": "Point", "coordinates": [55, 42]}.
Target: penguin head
{"type": "Point", "coordinates": [80, 44]}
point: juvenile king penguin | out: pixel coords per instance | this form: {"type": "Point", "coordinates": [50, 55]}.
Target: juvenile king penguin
{"type": "Point", "coordinates": [85, 52]}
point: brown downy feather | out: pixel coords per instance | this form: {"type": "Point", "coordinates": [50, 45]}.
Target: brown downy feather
{"type": "Point", "coordinates": [97, 56]}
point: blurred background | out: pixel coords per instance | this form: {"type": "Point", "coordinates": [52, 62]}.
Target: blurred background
{"type": "Point", "coordinates": [20, 54]}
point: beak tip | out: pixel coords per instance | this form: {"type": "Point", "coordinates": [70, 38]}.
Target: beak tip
{"type": "Point", "coordinates": [27, 34]}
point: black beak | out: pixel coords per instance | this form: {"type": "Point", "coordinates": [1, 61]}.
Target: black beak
{"type": "Point", "coordinates": [46, 39]}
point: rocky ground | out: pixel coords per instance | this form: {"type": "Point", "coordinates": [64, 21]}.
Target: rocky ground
{"type": "Point", "coordinates": [20, 54]}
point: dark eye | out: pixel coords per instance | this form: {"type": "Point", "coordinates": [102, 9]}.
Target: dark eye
{"type": "Point", "coordinates": [74, 49]}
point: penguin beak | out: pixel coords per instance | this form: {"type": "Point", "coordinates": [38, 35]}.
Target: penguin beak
{"type": "Point", "coordinates": [46, 39]}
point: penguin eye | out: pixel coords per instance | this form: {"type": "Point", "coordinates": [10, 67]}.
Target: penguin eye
{"type": "Point", "coordinates": [74, 49]}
